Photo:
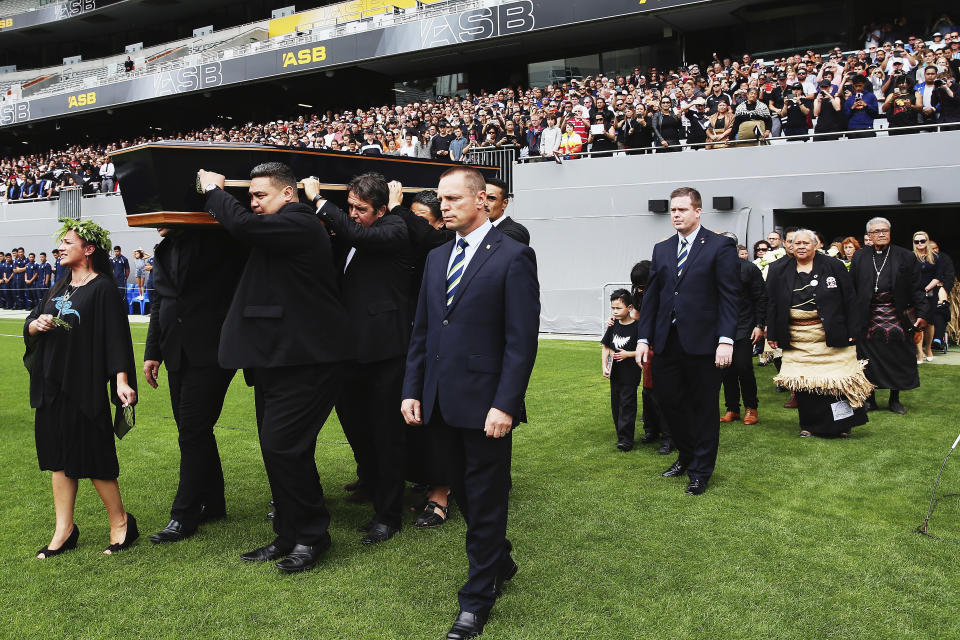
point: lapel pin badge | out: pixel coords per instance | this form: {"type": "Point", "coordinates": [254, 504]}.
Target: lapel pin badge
{"type": "Point", "coordinates": [488, 246]}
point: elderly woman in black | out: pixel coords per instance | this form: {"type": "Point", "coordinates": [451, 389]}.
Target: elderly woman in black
{"type": "Point", "coordinates": [809, 317]}
{"type": "Point", "coordinates": [78, 340]}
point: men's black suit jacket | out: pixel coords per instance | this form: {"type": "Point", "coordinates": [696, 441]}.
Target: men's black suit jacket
{"type": "Point", "coordinates": [907, 285]}
{"type": "Point", "coordinates": [702, 301]}
{"type": "Point", "coordinates": [377, 286]}
{"type": "Point", "coordinates": [423, 237]}
{"type": "Point", "coordinates": [479, 352]}
{"type": "Point", "coordinates": [287, 308]}
{"type": "Point", "coordinates": [195, 273]}
{"type": "Point", "coordinates": [513, 229]}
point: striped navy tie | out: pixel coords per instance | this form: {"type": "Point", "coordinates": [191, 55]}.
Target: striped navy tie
{"type": "Point", "coordinates": [456, 270]}
{"type": "Point", "coordinates": [682, 257]}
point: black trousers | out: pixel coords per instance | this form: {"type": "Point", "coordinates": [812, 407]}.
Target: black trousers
{"type": "Point", "coordinates": [941, 317]}
{"type": "Point", "coordinates": [739, 378]}
{"type": "Point", "coordinates": [196, 396]}
{"type": "Point", "coordinates": [623, 404]}
{"type": "Point", "coordinates": [479, 470]}
{"type": "Point", "coordinates": [369, 410]}
{"type": "Point", "coordinates": [653, 419]}
{"type": "Point", "coordinates": [292, 405]}
{"type": "Point", "coordinates": [688, 390]}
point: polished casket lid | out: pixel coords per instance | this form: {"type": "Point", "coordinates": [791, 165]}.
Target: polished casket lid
{"type": "Point", "coordinates": [158, 179]}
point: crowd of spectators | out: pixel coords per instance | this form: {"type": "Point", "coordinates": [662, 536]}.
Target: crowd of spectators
{"type": "Point", "coordinates": [905, 79]}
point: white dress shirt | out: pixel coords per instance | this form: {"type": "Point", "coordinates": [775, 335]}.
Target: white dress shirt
{"type": "Point", "coordinates": [474, 240]}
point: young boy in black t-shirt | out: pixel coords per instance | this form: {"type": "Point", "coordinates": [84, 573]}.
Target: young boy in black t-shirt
{"type": "Point", "coordinates": [618, 364]}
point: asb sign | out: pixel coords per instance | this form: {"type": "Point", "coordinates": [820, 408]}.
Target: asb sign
{"type": "Point", "coordinates": [477, 24]}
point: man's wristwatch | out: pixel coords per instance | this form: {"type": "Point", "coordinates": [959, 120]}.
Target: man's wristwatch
{"type": "Point", "coordinates": [317, 198]}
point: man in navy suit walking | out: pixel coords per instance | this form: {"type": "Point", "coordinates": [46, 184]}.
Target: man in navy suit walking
{"type": "Point", "coordinates": [689, 318]}
{"type": "Point", "coordinates": [472, 351]}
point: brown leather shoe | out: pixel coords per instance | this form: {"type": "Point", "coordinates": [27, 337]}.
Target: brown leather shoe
{"type": "Point", "coordinates": [729, 416]}
{"type": "Point", "coordinates": [751, 417]}
{"type": "Point", "coordinates": [792, 402]}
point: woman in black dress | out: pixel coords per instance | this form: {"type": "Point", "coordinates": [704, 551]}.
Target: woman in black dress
{"type": "Point", "coordinates": [809, 317]}
{"type": "Point", "coordinates": [78, 340]}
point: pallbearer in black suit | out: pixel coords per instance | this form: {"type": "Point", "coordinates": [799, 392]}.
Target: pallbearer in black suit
{"type": "Point", "coordinates": [287, 329]}
{"type": "Point", "coordinates": [471, 353]}
{"type": "Point", "coordinates": [498, 197]}
{"type": "Point", "coordinates": [195, 272]}
{"type": "Point", "coordinates": [689, 317]}
{"type": "Point", "coordinates": [377, 291]}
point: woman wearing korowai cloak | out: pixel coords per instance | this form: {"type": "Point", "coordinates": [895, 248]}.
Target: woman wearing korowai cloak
{"type": "Point", "coordinates": [78, 341]}
{"type": "Point", "coordinates": [810, 317]}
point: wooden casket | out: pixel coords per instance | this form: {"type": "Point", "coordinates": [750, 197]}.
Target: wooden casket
{"type": "Point", "coordinates": [158, 179]}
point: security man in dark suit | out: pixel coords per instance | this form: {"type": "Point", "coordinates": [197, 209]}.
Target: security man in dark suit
{"type": "Point", "coordinates": [472, 350]}
{"type": "Point", "coordinates": [498, 197]}
{"type": "Point", "coordinates": [376, 289]}
{"type": "Point", "coordinates": [288, 330]}
{"type": "Point", "coordinates": [751, 313]}
{"type": "Point", "coordinates": [195, 274]}
{"type": "Point", "coordinates": [689, 318]}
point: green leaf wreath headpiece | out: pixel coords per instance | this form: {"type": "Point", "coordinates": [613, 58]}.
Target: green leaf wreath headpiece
{"type": "Point", "coordinates": [89, 230]}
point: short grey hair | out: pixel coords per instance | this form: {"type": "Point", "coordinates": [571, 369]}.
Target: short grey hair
{"type": "Point", "coordinates": [876, 220]}
{"type": "Point", "coordinates": [731, 235]}
{"type": "Point", "coordinates": [813, 235]}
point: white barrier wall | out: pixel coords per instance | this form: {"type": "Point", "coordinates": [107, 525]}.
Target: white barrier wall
{"type": "Point", "coordinates": [589, 222]}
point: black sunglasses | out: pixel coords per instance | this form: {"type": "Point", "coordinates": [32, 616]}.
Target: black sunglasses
{"type": "Point", "coordinates": [919, 242]}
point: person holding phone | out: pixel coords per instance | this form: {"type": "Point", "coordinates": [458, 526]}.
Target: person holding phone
{"type": "Point", "coordinates": [861, 109]}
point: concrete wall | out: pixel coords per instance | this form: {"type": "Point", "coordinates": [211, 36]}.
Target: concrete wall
{"type": "Point", "coordinates": [32, 225]}
{"type": "Point", "coordinates": [589, 222]}
{"type": "Point", "coordinates": [588, 218]}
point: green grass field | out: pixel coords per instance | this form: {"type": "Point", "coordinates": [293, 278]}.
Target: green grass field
{"type": "Point", "coordinates": [794, 539]}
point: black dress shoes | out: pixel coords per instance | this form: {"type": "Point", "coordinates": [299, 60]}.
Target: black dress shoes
{"type": "Point", "coordinates": [133, 533]}
{"type": "Point", "coordinates": [265, 554]}
{"type": "Point", "coordinates": [624, 446]}
{"type": "Point", "coordinates": [379, 532]}
{"type": "Point", "coordinates": [696, 487]}
{"type": "Point", "coordinates": [302, 558]}
{"type": "Point", "coordinates": [467, 625]}
{"type": "Point", "coordinates": [649, 438]}
{"type": "Point", "coordinates": [175, 531]}
{"type": "Point", "coordinates": [676, 469]}
{"type": "Point", "coordinates": [897, 408]}
{"type": "Point", "coordinates": [666, 448]}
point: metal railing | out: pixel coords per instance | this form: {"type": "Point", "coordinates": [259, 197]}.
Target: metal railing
{"type": "Point", "coordinates": [282, 42]}
{"type": "Point", "coordinates": [69, 204]}
{"type": "Point", "coordinates": [503, 158]}
{"type": "Point", "coordinates": [850, 134]}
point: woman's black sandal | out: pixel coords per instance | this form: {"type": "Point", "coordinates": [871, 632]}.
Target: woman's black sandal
{"type": "Point", "coordinates": [430, 519]}
{"type": "Point", "coordinates": [68, 544]}
{"type": "Point", "coordinates": [132, 534]}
